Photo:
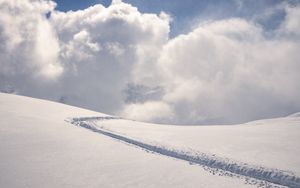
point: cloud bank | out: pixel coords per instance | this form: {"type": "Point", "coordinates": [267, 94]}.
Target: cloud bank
{"type": "Point", "coordinates": [121, 61]}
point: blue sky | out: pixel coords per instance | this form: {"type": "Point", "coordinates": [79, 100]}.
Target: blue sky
{"type": "Point", "coordinates": [65, 5]}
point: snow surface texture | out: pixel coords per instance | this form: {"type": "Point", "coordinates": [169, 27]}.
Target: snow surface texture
{"type": "Point", "coordinates": [273, 143]}
{"type": "Point", "coordinates": [39, 148]}
{"type": "Point", "coordinates": [271, 175]}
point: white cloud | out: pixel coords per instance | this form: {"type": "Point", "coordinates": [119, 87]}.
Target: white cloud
{"type": "Point", "coordinates": [100, 49]}
{"type": "Point", "coordinates": [291, 24]}
{"type": "Point", "coordinates": [84, 58]}
{"type": "Point", "coordinates": [220, 72]}
{"type": "Point", "coordinates": [227, 71]}
{"type": "Point", "coordinates": [151, 111]}
{"type": "Point", "coordinates": [28, 43]}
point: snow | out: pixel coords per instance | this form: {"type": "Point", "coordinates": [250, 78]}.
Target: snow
{"type": "Point", "coordinates": [259, 172]}
{"type": "Point", "coordinates": [272, 143]}
{"type": "Point", "coordinates": [39, 147]}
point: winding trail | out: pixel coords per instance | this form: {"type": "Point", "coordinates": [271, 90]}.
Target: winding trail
{"type": "Point", "coordinates": [274, 176]}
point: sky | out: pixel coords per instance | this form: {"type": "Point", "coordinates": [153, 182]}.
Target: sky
{"type": "Point", "coordinates": [67, 5]}
{"type": "Point", "coordinates": [176, 62]}
{"type": "Point", "coordinates": [186, 14]}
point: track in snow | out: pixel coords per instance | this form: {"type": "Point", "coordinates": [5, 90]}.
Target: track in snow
{"type": "Point", "coordinates": [274, 176]}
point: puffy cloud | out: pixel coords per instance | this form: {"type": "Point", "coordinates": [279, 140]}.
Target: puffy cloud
{"type": "Point", "coordinates": [29, 47]}
{"type": "Point", "coordinates": [151, 111]}
{"type": "Point", "coordinates": [25, 36]}
{"type": "Point", "coordinates": [121, 61]}
{"type": "Point", "coordinates": [84, 58]}
{"type": "Point", "coordinates": [291, 25]}
{"type": "Point", "coordinates": [102, 47]}
{"type": "Point", "coordinates": [228, 71]}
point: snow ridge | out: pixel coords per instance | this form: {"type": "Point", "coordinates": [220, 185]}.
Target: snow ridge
{"type": "Point", "coordinates": [275, 176]}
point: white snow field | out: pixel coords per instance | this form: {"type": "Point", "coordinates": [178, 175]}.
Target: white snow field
{"type": "Point", "coordinates": [47, 144]}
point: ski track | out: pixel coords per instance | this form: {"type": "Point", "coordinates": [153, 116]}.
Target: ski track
{"type": "Point", "coordinates": [274, 176]}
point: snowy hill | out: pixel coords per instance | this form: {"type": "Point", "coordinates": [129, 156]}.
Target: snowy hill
{"type": "Point", "coordinates": [47, 144]}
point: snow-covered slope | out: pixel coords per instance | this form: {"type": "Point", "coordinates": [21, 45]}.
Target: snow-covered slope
{"type": "Point", "coordinates": [265, 150]}
{"type": "Point", "coordinates": [273, 143]}
{"type": "Point", "coordinates": [39, 147]}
